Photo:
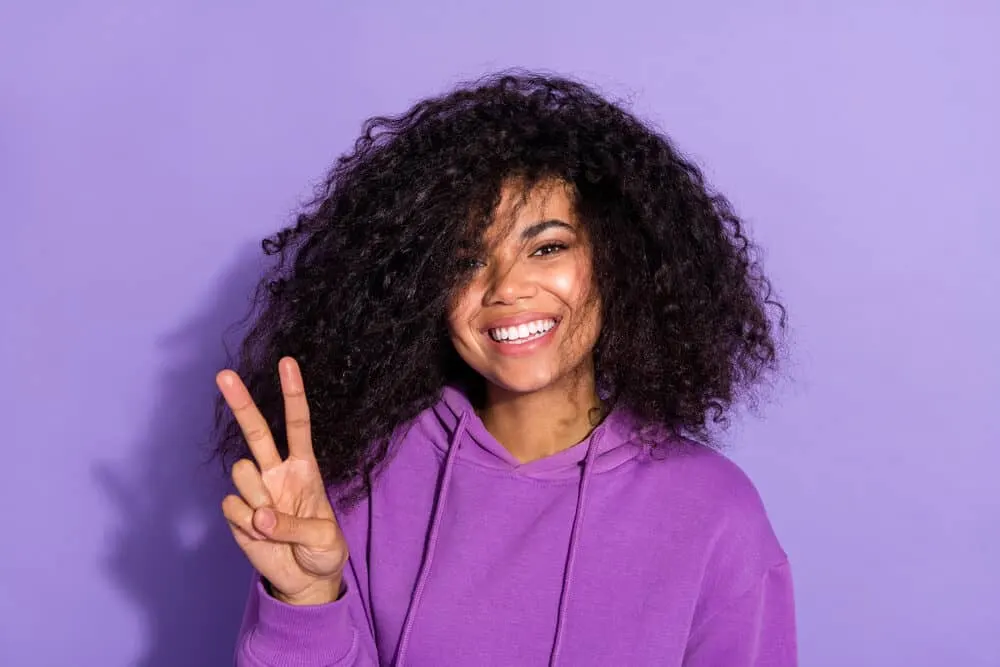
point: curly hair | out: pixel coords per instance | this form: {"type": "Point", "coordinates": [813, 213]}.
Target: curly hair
{"type": "Point", "coordinates": [362, 281]}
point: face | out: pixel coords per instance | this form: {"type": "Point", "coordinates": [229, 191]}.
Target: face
{"type": "Point", "coordinates": [529, 316]}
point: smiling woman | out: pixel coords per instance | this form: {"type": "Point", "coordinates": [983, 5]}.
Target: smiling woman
{"type": "Point", "coordinates": [517, 314]}
{"type": "Point", "coordinates": [528, 317]}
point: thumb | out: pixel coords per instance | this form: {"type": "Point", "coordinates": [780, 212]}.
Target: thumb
{"type": "Point", "coordinates": [281, 527]}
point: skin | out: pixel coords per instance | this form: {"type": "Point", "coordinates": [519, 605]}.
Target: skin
{"type": "Point", "coordinates": [539, 261]}
{"type": "Point", "coordinates": [540, 397]}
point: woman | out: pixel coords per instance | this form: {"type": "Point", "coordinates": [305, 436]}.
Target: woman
{"type": "Point", "coordinates": [516, 313]}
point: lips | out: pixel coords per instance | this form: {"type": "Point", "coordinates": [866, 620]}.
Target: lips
{"type": "Point", "coordinates": [519, 330]}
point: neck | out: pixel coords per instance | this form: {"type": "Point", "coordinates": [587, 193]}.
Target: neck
{"type": "Point", "coordinates": [540, 424]}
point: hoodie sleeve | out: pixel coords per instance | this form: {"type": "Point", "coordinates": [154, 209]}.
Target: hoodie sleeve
{"type": "Point", "coordinates": [276, 634]}
{"type": "Point", "coordinates": [756, 629]}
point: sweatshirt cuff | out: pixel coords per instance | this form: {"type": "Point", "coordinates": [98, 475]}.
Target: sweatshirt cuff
{"type": "Point", "coordinates": [302, 636]}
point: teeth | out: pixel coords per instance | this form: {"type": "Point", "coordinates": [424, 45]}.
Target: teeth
{"type": "Point", "coordinates": [521, 331]}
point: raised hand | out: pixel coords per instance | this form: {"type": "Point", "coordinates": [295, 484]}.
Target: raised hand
{"type": "Point", "coordinates": [282, 518]}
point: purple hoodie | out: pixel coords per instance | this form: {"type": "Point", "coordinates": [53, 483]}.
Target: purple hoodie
{"type": "Point", "coordinates": [608, 553]}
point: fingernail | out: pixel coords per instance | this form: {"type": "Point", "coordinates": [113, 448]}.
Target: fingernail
{"type": "Point", "coordinates": [290, 377]}
{"type": "Point", "coordinates": [265, 520]}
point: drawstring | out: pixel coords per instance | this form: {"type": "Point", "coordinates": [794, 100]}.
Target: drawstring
{"type": "Point", "coordinates": [425, 569]}
{"type": "Point", "coordinates": [574, 543]}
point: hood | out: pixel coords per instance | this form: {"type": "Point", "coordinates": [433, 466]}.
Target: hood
{"type": "Point", "coordinates": [608, 446]}
{"type": "Point", "coordinates": [615, 440]}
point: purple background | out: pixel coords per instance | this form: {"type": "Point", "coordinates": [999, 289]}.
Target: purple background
{"type": "Point", "coordinates": [146, 147]}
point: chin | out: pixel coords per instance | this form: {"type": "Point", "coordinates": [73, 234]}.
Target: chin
{"type": "Point", "coordinates": [521, 383]}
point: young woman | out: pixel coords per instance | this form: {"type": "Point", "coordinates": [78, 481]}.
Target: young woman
{"type": "Point", "coordinates": [517, 314]}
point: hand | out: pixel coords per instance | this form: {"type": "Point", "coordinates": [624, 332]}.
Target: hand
{"type": "Point", "coordinates": [282, 518]}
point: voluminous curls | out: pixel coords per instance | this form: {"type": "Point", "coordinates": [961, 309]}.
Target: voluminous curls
{"type": "Point", "coordinates": [360, 289]}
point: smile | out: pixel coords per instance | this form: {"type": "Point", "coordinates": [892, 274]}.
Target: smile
{"type": "Point", "coordinates": [522, 333]}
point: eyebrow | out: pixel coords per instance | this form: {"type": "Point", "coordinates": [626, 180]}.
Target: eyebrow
{"type": "Point", "coordinates": [542, 226]}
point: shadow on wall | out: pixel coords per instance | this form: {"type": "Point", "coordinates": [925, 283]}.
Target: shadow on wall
{"type": "Point", "coordinates": [172, 553]}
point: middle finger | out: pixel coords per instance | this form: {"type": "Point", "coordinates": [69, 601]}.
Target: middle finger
{"type": "Point", "coordinates": [251, 421]}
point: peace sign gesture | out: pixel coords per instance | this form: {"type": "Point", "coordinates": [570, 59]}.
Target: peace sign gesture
{"type": "Point", "coordinates": [282, 518]}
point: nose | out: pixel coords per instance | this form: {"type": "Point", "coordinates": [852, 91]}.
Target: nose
{"type": "Point", "coordinates": [508, 285]}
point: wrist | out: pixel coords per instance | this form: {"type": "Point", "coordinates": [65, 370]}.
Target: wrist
{"type": "Point", "coordinates": [319, 593]}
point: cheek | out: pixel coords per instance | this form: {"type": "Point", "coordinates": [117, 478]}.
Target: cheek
{"type": "Point", "coordinates": [461, 311]}
{"type": "Point", "coordinates": [572, 283]}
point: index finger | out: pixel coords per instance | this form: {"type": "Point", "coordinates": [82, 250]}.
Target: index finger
{"type": "Point", "coordinates": [251, 421]}
{"type": "Point", "coordinates": [296, 410]}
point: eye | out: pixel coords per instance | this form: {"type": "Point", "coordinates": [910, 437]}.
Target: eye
{"type": "Point", "coordinates": [470, 264]}
{"type": "Point", "coordinates": [549, 249]}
